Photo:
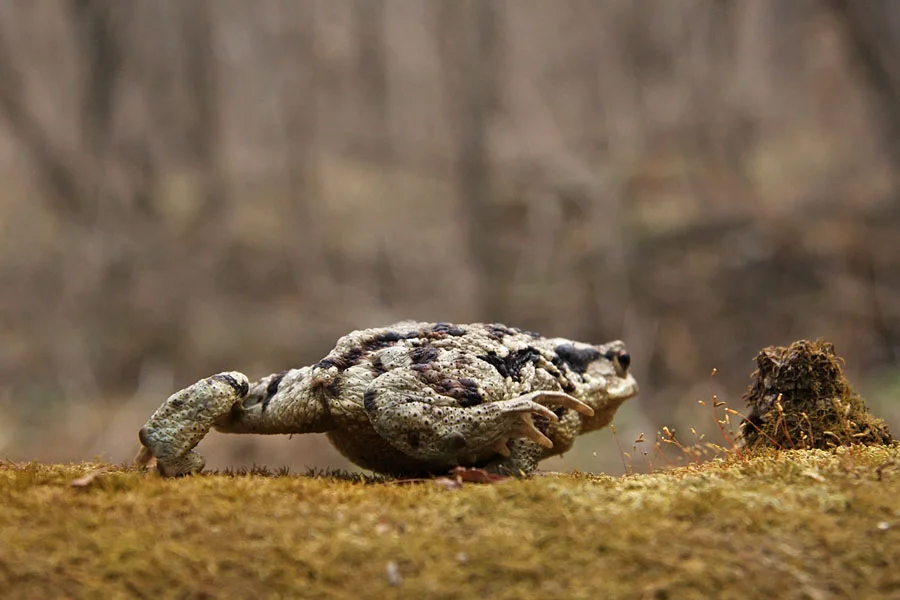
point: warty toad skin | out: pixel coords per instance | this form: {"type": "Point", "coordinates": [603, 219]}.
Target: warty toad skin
{"type": "Point", "coordinates": [412, 399]}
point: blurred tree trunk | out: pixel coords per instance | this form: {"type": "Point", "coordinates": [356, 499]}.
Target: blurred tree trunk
{"type": "Point", "coordinates": [122, 182]}
{"type": "Point", "coordinates": [469, 47]}
{"type": "Point", "coordinates": [98, 36]}
{"type": "Point", "coordinates": [103, 187]}
{"type": "Point", "coordinates": [374, 114]}
{"type": "Point", "coordinates": [300, 111]}
{"type": "Point", "coordinates": [872, 29]}
{"type": "Point", "coordinates": [70, 179]}
{"type": "Point", "coordinates": [204, 132]}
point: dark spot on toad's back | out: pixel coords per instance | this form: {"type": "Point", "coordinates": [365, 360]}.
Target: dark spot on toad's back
{"type": "Point", "coordinates": [272, 389]}
{"type": "Point", "coordinates": [497, 362]}
{"type": "Point", "coordinates": [383, 340]}
{"type": "Point", "coordinates": [470, 396]}
{"type": "Point", "coordinates": [354, 355]}
{"type": "Point", "coordinates": [511, 365]}
{"type": "Point", "coordinates": [498, 331]}
{"type": "Point", "coordinates": [342, 361]}
{"type": "Point", "coordinates": [533, 335]}
{"type": "Point", "coordinates": [378, 366]}
{"type": "Point", "coordinates": [241, 388]}
{"type": "Point", "coordinates": [447, 329]}
{"type": "Point", "coordinates": [556, 369]}
{"type": "Point", "coordinates": [464, 390]}
{"type": "Point", "coordinates": [334, 388]}
{"type": "Point", "coordinates": [518, 359]}
{"type": "Point", "coordinates": [412, 438]}
{"type": "Point", "coordinates": [325, 363]}
{"type": "Point", "coordinates": [330, 386]}
{"type": "Point", "coordinates": [429, 376]}
{"type": "Point", "coordinates": [423, 355]}
{"type": "Point", "coordinates": [369, 400]}
{"type": "Point", "coordinates": [576, 358]}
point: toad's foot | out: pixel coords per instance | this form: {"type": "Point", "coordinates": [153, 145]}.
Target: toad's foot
{"type": "Point", "coordinates": [173, 431]}
{"type": "Point", "coordinates": [533, 404]}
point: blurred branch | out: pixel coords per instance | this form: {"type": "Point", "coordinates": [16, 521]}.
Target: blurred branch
{"type": "Point", "coordinates": [300, 100]}
{"type": "Point", "coordinates": [300, 89]}
{"type": "Point", "coordinates": [868, 32]}
{"type": "Point", "coordinates": [371, 71]}
{"type": "Point", "coordinates": [201, 73]}
{"type": "Point", "coordinates": [97, 35]}
{"type": "Point", "coordinates": [100, 28]}
{"type": "Point", "coordinates": [468, 43]}
{"type": "Point", "coordinates": [55, 173]}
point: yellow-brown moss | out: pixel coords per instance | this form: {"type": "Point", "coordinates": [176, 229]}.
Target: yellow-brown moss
{"type": "Point", "coordinates": [794, 524]}
{"type": "Point", "coordinates": [800, 398]}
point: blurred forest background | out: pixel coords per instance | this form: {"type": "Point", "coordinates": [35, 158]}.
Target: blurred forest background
{"type": "Point", "coordinates": [191, 186]}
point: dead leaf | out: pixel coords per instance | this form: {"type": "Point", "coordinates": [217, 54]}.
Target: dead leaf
{"type": "Point", "coordinates": [463, 474]}
{"type": "Point", "coordinates": [447, 483]}
{"type": "Point", "coordinates": [393, 574]}
{"type": "Point", "coordinates": [382, 527]}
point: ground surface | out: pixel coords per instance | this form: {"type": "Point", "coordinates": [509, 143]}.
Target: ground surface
{"type": "Point", "coordinates": [789, 525]}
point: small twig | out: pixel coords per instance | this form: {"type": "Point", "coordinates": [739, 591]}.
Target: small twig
{"type": "Point", "coordinates": [621, 452]}
{"type": "Point", "coordinates": [756, 427]}
{"type": "Point", "coordinates": [715, 409]}
{"type": "Point", "coordinates": [783, 422]}
{"type": "Point", "coordinates": [670, 439]}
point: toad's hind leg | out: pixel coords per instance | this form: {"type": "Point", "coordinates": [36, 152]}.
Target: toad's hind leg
{"type": "Point", "coordinates": [227, 402]}
{"type": "Point", "coordinates": [171, 433]}
{"type": "Point", "coordinates": [441, 430]}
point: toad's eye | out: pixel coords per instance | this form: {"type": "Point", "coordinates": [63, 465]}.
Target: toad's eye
{"type": "Point", "coordinates": [624, 359]}
{"type": "Point", "coordinates": [620, 359]}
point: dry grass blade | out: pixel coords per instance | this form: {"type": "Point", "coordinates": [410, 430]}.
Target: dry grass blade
{"type": "Point", "coordinates": [87, 479]}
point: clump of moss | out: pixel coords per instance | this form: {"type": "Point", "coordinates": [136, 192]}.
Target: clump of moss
{"type": "Point", "coordinates": [800, 398]}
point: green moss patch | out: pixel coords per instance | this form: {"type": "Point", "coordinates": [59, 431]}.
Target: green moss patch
{"type": "Point", "coordinates": [800, 398]}
{"type": "Point", "coordinates": [787, 524]}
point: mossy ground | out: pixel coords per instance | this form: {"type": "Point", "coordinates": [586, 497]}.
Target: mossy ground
{"type": "Point", "coordinates": [789, 524]}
